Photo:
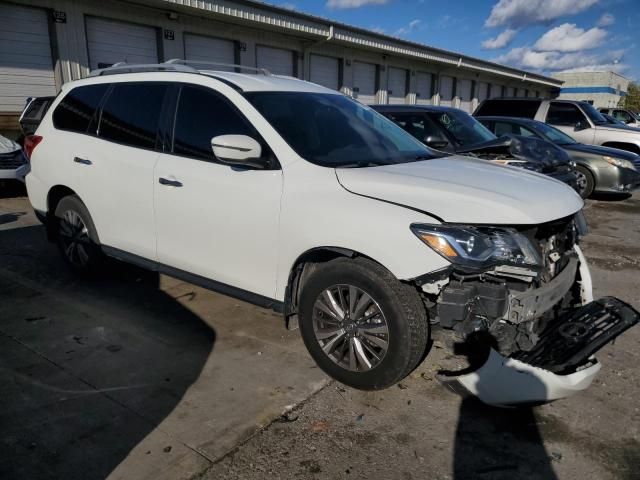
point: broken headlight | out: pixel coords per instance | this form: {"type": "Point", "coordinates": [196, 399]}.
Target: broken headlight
{"type": "Point", "coordinates": [479, 246]}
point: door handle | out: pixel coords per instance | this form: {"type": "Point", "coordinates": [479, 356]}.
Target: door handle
{"type": "Point", "coordinates": [169, 183]}
{"type": "Point", "coordinates": [83, 161]}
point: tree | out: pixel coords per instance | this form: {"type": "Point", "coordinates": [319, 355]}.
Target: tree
{"type": "Point", "coordinates": [632, 100]}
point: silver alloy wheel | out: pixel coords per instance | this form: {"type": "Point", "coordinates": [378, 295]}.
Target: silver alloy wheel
{"type": "Point", "coordinates": [350, 328]}
{"type": "Point", "coordinates": [581, 182]}
{"type": "Point", "coordinates": [74, 236]}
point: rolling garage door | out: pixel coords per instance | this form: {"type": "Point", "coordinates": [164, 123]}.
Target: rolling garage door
{"type": "Point", "coordinates": [199, 48]}
{"type": "Point", "coordinates": [26, 69]}
{"type": "Point", "coordinates": [521, 92]}
{"type": "Point", "coordinates": [325, 71]}
{"type": "Point", "coordinates": [446, 90]}
{"type": "Point", "coordinates": [483, 91]}
{"type": "Point", "coordinates": [496, 91]}
{"type": "Point", "coordinates": [277, 60]}
{"type": "Point", "coordinates": [111, 41]}
{"type": "Point", "coordinates": [424, 82]}
{"type": "Point", "coordinates": [397, 85]}
{"type": "Point", "coordinates": [364, 82]}
{"type": "Point", "coordinates": [510, 92]}
{"type": "Point", "coordinates": [463, 92]}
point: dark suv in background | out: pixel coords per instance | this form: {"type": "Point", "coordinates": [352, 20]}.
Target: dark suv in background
{"type": "Point", "coordinates": [455, 131]}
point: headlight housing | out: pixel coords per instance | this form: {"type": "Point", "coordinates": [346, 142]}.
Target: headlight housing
{"type": "Point", "coordinates": [619, 162]}
{"type": "Point", "coordinates": [479, 247]}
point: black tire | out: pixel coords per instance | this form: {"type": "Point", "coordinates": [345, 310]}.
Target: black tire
{"type": "Point", "coordinates": [586, 182]}
{"type": "Point", "coordinates": [78, 242]}
{"type": "Point", "coordinates": [402, 311]}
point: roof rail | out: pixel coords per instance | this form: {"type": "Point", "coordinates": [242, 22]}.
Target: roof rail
{"type": "Point", "coordinates": [190, 63]}
{"type": "Point", "coordinates": [123, 67]}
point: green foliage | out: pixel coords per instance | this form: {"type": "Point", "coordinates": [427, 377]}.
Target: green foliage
{"type": "Point", "coordinates": [632, 100]}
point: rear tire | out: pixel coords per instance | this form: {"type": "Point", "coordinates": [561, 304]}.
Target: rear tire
{"type": "Point", "coordinates": [76, 236]}
{"type": "Point", "coordinates": [586, 182]}
{"type": "Point", "coordinates": [382, 333]}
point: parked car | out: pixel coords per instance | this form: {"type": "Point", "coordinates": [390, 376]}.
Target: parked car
{"type": "Point", "coordinates": [612, 120]}
{"type": "Point", "coordinates": [600, 169]}
{"type": "Point", "coordinates": [13, 164]}
{"type": "Point", "coordinates": [579, 120]}
{"type": "Point", "coordinates": [624, 115]}
{"type": "Point", "coordinates": [295, 197]}
{"type": "Point", "coordinates": [455, 131]}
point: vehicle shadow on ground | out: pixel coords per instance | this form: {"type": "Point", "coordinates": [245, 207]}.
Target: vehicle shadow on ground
{"type": "Point", "coordinates": [497, 443]}
{"type": "Point", "coordinates": [88, 368]}
{"type": "Point", "coordinates": [12, 189]}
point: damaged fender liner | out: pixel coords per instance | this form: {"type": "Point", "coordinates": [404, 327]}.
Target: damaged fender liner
{"type": "Point", "coordinates": [568, 343]}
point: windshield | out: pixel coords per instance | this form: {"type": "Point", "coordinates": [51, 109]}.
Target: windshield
{"type": "Point", "coordinates": [335, 131]}
{"type": "Point", "coordinates": [462, 127]}
{"type": "Point", "coordinates": [595, 116]}
{"type": "Point", "coordinates": [554, 135]}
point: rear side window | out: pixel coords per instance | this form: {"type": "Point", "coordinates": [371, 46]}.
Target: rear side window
{"type": "Point", "coordinates": [508, 108]}
{"type": "Point", "coordinates": [564, 114]}
{"type": "Point", "coordinates": [131, 114]}
{"type": "Point", "coordinates": [76, 110]}
{"type": "Point", "coordinates": [202, 115]}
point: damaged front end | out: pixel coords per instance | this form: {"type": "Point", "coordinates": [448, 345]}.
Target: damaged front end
{"type": "Point", "coordinates": [524, 295]}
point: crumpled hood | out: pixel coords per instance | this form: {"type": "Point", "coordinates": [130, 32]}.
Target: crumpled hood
{"type": "Point", "coordinates": [465, 190]}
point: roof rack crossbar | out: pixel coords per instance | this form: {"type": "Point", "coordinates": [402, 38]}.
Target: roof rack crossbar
{"type": "Point", "coordinates": [122, 67]}
{"type": "Point", "coordinates": [189, 63]}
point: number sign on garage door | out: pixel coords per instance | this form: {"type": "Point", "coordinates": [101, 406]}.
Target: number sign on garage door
{"type": "Point", "coordinates": [112, 41]}
{"type": "Point", "coordinates": [397, 85]}
{"type": "Point", "coordinates": [446, 90]}
{"type": "Point", "coordinates": [463, 92]}
{"type": "Point", "coordinates": [198, 48]}
{"type": "Point", "coordinates": [276, 60]}
{"type": "Point", "coordinates": [26, 69]}
{"type": "Point", "coordinates": [424, 82]}
{"type": "Point", "coordinates": [325, 71]}
{"type": "Point", "coordinates": [364, 82]}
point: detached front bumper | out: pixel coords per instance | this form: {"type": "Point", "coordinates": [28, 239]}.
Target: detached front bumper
{"type": "Point", "coordinates": [562, 362]}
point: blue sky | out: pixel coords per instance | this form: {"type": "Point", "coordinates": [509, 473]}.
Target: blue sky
{"type": "Point", "coordinates": [537, 35]}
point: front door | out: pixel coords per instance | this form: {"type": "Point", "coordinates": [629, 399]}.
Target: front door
{"type": "Point", "coordinates": [213, 220]}
{"type": "Point", "coordinates": [572, 121]}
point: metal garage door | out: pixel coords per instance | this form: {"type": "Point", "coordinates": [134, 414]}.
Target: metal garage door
{"type": "Point", "coordinates": [463, 92]}
{"type": "Point", "coordinates": [521, 92]}
{"type": "Point", "coordinates": [446, 90]}
{"type": "Point", "coordinates": [424, 82]}
{"type": "Point", "coordinates": [510, 92]}
{"type": "Point", "coordinates": [111, 41]}
{"type": "Point", "coordinates": [276, 60]}
{"type": "Point", "coordinates": [325, 71]}
{"type": "Point", "coordinates": [364, 82]}
{"type": "Point", "coordinates": [483, 91]}
{"type": "Point", "coordinates": [26, 68]}
{"type": "Point", "coordinates": [496, 91]}
{"type": "Point", "coordinates": [397, 85]}
{"type": "Point", "coordinates": [199, 48]}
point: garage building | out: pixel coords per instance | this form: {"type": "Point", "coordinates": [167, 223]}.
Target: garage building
{"type": "Point", "coordinates": [44, 43]}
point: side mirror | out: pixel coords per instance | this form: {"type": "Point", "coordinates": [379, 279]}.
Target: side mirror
{"type": "Point", "coordinates": [238, 150]}
{"type": "Point", "coordinates": [435, 142]}
{"type": "Point", "coordinates": [582, 125]}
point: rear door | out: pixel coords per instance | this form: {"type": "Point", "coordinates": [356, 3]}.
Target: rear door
{"type": "Point", "coordinates": [571, 120]}
{"type": "Point", "coordinates": [213, 220]}
{"type": "Point", "coordinates": [364, 82]}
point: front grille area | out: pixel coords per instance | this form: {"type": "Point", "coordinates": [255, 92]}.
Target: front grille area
{"type": "Point", "coordinates": [554, 240]}
{"type": "Point", "coordinates": [11, 161]}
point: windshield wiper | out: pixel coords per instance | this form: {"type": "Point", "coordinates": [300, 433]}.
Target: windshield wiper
{"type": "Point", "coordinates": [363, 164]}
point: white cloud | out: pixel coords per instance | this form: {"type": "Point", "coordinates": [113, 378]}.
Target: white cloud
{"type": "Point", "coordinates": [518, 13]}
{"type": "Point", "coordinates": [289, 6]}
{"type": "Point", "coordinates": [410, 27]}
{"type": "Point", "coordinates": [344, 4]}
{"type": "Point", "coordinates": [605, 20]}
{"type": "Point", "coordinates": [570, 38]}
{"type": "Point", "coordinates": [501, 41]}
{"type": "Point", "coordinates": [528, 58]}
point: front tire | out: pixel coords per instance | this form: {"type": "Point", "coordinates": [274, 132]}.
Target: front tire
{"type": "Point", "coordinates": [585, 181]}
{"type": "Point", "coordinates": [361, 325]}
{"type": "Point", "coordinates": [76, 236]}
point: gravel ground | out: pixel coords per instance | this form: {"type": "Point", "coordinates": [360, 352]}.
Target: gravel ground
{"type": "Point", "coordinates": [421, 429]}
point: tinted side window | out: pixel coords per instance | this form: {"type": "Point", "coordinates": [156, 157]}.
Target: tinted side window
{"type": "Point", "coordinates": [564, 114]}
{"type": "Point", "coordinates": [202, 115]}
{"type": "Point", "coordinates": [75, 111]}
{"type": "Point", "coordinates": [622, 115]}
{"type": "Point", "coordinates": [131, 114]}
{"type": "Point", "coordinates": [508, 108]}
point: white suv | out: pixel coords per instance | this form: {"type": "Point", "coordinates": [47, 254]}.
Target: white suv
{"type": "Point", "coordinates": [295, 197]}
